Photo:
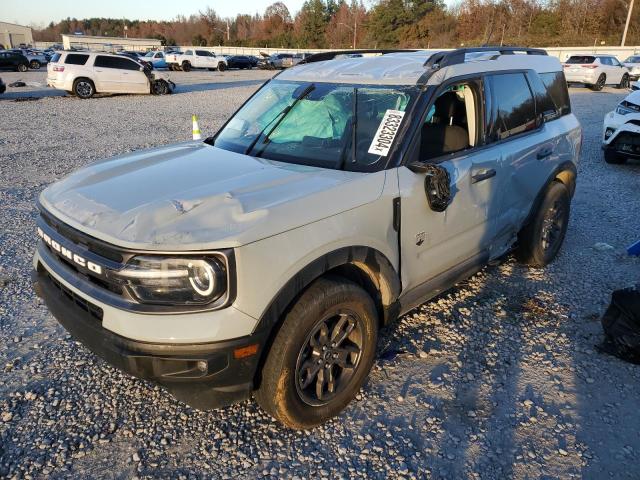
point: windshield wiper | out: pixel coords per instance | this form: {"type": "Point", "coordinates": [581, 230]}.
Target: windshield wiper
{"type": "Point", "coordinates": [280, 116]}
{"type": "Point", "coordinates": [354, 131]}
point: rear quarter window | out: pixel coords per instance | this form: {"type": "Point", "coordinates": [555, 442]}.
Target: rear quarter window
{"type": "Point", "coordinates": [556, 85]}
{"type": "Point", "coordinates": [55, 57]}
{"type": "Point", "coordinates": [74, 59]}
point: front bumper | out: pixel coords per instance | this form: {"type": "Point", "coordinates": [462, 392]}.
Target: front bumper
{"type": "Point", "coordinates": [624, 137]}
{"type": "Point", "coordinates": [202, 375]}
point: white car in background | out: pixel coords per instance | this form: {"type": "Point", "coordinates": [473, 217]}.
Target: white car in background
{"type": "Point", "coordinates": [193, 58]}
{"type": "Point", "coordinates": [596, 71]}
{"type": "Point", "coordinates": [633, 64]}
{"type": "Point", "coordinates": [86, 73]}
{"type": "Point", "coordinates": [621, 130]}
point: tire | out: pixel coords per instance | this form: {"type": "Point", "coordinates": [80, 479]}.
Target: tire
{"type": "Point", "coordinates": [599, 85]}
{"type": "Point", "coordinates": [222, 67]}
{"type": "Point", "coordinates": [34, 64]}
{"type": "Point", "coordinates": [613, 157]}
{"type": "Point", "coordinates": [624, 83]}
{"type": "Point", "coordinates": [540, 240]}
{"type": "Point", "coordinates": [23, 67]}
{"type": "Point", "coordinates": [159, 87]}
{"type": "Point", "coordinates": [342, 307]}
{"type": "Point", "coordinates": [186, 67]}
{"type": "Point", "coordinates": [83, 88]}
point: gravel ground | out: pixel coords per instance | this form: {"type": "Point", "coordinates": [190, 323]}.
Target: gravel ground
{"type": "Point", "coordinates": [496, 379]}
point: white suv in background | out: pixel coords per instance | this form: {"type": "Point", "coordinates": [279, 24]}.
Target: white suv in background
{"type": "Point", "coordinates": [596, 71]}
{"type": "Point", "coordinates": [85, 73]}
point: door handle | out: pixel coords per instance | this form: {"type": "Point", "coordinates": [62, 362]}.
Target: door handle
{"type": "Point", "coordinates": [483, 175]}
{"type": "Point", "coordinates": [544, 152]}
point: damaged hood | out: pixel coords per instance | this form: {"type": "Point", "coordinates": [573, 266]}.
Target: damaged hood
{"type": "Point", "coordinates": [193, 196]}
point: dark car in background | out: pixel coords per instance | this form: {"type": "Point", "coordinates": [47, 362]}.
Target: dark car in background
{"type": "Point", "coordinates": [241, 62]}
{"type": "Point", "coordinates": [3, 87]}
{"type": "Point", "coordinates": [10, 60]}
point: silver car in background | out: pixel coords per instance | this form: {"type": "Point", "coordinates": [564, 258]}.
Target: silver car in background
{"type": "Point", "coordinates": [596, 71]}
{"type": "Point", "coordinates": [633, 65]}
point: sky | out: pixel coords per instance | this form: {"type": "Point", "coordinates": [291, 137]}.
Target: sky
{"type": "Point", "coordinates": [41, 12]}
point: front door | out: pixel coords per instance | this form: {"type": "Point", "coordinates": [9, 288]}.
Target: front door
{"type": "Point", "coordinates": [452, 136]}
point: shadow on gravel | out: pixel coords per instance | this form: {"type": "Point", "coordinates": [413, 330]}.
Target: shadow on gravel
{"type": "Point", "coordinates": [203, 87]}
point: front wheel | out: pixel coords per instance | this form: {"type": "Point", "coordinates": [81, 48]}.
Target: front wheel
{"type": "Point", "coordinates": [35, 64]}
{"type": "Point", "coordinates": [624, 83]}
{"type": "Point", "coordinates": [23, 67]}
{"type": "Point", "coordinates": [600, 83]}
{"type": "Point", "coordinates": [540, 240]}
{"type": "Point", "coordinates": [322, 354]}
{"type": "Point", "coordinates": [222, 67]}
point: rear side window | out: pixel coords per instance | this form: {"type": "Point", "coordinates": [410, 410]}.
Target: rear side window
{"type": "Point", "coordinates": [55, 57]}
{"type": "Point", "coordinates": [581, 59]}
{"type": "Point", "coordinates": [557, 88]}
{"type": "Point", "coordinates": [514, 105]}
{"type": "Point", "coordinates": [74, 59]}
{"type": "Point", "coordinates": [116, 62]}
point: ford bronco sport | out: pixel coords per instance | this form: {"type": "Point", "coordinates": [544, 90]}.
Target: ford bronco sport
{"type": "Point", "coordinates": [342, 194]}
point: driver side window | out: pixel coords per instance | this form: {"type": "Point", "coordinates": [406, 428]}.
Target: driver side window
{"type": "Point", "coordinates": [451, 124]}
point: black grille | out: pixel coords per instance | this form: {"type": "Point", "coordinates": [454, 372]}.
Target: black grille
{"type": "Point", "coordinates": [90, 308]}
{"type": "Point", "coordinates": [634, 122]}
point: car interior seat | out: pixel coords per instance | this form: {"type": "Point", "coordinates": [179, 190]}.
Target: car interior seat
{"type": "Point", "coordinates": [447, 132]}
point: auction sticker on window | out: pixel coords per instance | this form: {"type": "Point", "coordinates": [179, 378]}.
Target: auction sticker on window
{"type": "Point", "coordinates": [386, 132]}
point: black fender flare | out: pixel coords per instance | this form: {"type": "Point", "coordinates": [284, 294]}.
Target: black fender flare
{"type": "Point", "coordinates": [565, 173]}
{"type": "Point", "coordinates": [371, 263]}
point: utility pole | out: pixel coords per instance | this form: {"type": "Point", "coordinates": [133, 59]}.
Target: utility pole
{"type": "Point", "coordinates": [355, 32]}
{"type": "Point", "coordinates": [228, 34]}
{"type": "Point", "coordinates": [626, 25]}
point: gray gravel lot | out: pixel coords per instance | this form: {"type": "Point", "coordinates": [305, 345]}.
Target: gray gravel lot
{"type": "Point", "coordinates": [496, 379]}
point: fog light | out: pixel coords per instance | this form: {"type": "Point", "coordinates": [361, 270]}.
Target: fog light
{"type": "Point", "coordinates": [608, 133]}
{"type": "Point", "coordinates": [202, 365]}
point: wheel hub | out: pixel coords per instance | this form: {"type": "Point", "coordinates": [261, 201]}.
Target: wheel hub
{"type": "Point", "coordinates": [329, 357]}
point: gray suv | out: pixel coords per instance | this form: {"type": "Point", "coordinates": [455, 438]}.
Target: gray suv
{"type": "Point", "coordinates": [343, 194]}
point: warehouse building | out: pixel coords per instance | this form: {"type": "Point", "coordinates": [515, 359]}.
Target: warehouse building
{"type": "Point", "coordinates": [14, 36]}
{"type": "Point", "coordinates": [110, 43]}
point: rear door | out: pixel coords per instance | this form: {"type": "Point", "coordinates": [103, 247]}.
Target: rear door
{"type": "Point", "coordinates": [204, 59]}
{"type": "Point", "coordinates": [107, 76]}
{"type": "Point", "coordinates": [528, 146]}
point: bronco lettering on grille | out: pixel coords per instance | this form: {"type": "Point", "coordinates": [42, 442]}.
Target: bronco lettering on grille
{"type": "Point", "coordinates": [65, 252]}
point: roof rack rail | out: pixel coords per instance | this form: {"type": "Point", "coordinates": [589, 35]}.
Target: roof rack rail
{"type": "Point", "coordinates": [455, 57]}
{"type": "Point", "coordinates": [321, 57]}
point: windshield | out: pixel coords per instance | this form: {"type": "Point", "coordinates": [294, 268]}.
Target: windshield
{"type": "Point", "coordinates": [150, 54]}
{"type": "Point", "coordinates": [324, 125]}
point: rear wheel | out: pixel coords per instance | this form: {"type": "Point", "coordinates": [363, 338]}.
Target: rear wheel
{"type": "Point", "coordinates": [23, 67]}
{"type": "Point", "coordinates": [34, 64]}
{"type": "Point", "coordinates": [322, 354]}
{"type": "Point", "coordinates": [599, 85]}
{"type": "Point", "coordinates": [624, 83]}
{"type": "Point", "coordinates": [83, 88]}
{"type": "Point", "coordinates": [186, 66]}
{"type": "Point", "coordinates": [540, 240]}
{"type": "Point", "coordinates": [613, 157]}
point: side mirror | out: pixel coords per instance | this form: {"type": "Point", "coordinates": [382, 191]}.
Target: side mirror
{"type": "Point", "coordinates": [437, 184]}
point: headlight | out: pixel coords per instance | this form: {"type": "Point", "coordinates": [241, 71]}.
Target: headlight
{"type": "Point", "coordinates": [174, 281]}
{"type": "Point", "coordinates": [626, 108]}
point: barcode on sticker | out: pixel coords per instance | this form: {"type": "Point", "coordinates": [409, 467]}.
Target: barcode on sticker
{"type": "Point", "coordinates": [387, 131]}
